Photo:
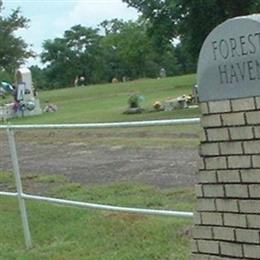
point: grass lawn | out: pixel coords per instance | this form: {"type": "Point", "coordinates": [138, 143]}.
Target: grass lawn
{"type": "Point", "coordinates": [69, 233]}
{"type": "Point", "coordinates": [106, 103]}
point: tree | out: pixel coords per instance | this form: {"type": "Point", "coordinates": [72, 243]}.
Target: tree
{"type": "Point", "coordinates": [131, 52]}
{"type": "Point", "coordinates": [113, 26]}
{"type": "Point", "coordinates": [134, 49]}
{"type": "Point", "coordinates": [201, 17]}
{"type": "Point", "coordinates": [39, 77]}
{"type": "Point", "coordinates": [190, 20]}
{"type": "Point", "coordinates": [13, 49]}
{"type": "Point", "coordinates": [76, 54]}
{"type": "Point", "coordinates": [126, 50]}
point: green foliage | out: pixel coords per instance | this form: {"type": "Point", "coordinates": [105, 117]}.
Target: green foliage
{"type": "Point", "coordinates": [5, 76]}
{"type": "Point", "coordinates": [13, 49]}
{"type": "Point", "coordinates": [133, 101]}
{"type": "Point", "coordinates": [76, 54]}
{"type": "Point", "coordinates": [138, 49]}
{"type": "Point", "coordinates": [132, 52]}
{"type": "Point", "coordinates": [126, 51]}
{"type": "Point", "coordinates": [191, 20]}
{"type": "Point", "coordinates": [39, 78]}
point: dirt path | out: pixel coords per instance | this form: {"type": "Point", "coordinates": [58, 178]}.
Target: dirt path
{"type": "Point", "coordinates": [91, 165]}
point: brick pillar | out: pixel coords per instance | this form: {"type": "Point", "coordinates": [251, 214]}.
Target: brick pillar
{"type": "Point", "coordinates": [227, 221]}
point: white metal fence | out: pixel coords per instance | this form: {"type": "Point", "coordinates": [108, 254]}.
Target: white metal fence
{"type": "Point", "coordinates": [21, 196]}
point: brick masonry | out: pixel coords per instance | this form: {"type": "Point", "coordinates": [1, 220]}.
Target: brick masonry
{"type": "Point", "coordinates": [227, 221]}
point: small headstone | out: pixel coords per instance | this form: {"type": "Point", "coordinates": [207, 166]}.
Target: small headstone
{"type": "Point", "coordinates": [115, 80]}
{"type": "Point", "coordinates": [162, 73]}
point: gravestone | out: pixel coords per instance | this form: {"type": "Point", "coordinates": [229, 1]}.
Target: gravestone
{"type": "Point", "coordinates": [227, 219]}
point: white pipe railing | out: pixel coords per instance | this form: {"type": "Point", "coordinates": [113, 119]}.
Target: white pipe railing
{"type": "Point", "coordinates": [100, 206]}
{"type": "Point", "coordinates": [9, 194]}
{"type": "Point", "coordinates": [110, 208]}
{"type": "Point", "coordinates": [186, 121]}
{"type": "Point", "coordinates": [22, 196]}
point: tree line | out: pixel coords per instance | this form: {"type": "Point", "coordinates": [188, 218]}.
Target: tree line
{"type": "Point", "coordinates": [123, 51]}
{"type": "Point", "coordinates": [168, 34]}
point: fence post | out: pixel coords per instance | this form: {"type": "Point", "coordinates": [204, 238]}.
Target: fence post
{"type": "Point", "coordinates": [19, 188]}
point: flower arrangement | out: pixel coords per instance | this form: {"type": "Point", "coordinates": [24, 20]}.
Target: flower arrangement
{"type": "Point", "coordinates": [133, 101]}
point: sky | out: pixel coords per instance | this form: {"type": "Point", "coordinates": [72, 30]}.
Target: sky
{"type": "Point", "coordinates": [50, 18]}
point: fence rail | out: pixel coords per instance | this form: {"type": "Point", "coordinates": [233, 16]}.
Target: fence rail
{"type": "Point", "coordinates": [187, 121]}
{"type": "Point", "coordinates": [23, 196]}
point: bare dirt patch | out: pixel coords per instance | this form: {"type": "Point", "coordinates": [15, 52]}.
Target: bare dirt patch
{"type": "Point", "coordinates": [102, 164]}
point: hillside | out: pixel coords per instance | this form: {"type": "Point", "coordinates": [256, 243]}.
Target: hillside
{"type": "Point", "coordinates": [104, 103]}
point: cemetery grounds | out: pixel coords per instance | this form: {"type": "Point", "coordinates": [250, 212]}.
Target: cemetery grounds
{"type": "Point", "coordinates": [141, 167]}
